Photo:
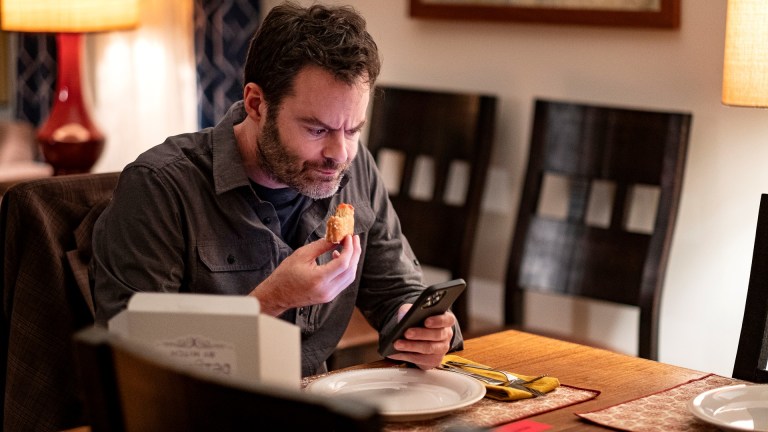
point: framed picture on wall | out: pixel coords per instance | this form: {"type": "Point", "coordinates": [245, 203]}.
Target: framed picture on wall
{"type": "Point", "coordinates": [609, 13]}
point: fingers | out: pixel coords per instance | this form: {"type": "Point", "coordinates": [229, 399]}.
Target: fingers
{"type": "Point", "coordinates": [448, 319]}
{"type": "Point", "coordinates": [349, 255]}
{"type": "Point", "coordinates": [426, 346]}
{"type": "Point", "coordinates": [340, 272]}
{"type": "Point", "coordinates": [347, 261]}
{"type": "Point", "coordinates": [316, 248]}
{"type": "Point", "coordinates": [416, 336]}
{"type": "Point", "coordinates": [425, 362]}
{"type": "Point", "coordinates": [424, 354]}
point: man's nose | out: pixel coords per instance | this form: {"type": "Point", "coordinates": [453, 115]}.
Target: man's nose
{"type": "Point", "coordinates": [335, 147]}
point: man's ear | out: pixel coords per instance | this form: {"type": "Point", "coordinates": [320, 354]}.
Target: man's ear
{"type": "Point", "coordinates": [255, 104]}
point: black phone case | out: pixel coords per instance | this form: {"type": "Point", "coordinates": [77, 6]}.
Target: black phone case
{"type": "Point", "coordinates": [434, 300]}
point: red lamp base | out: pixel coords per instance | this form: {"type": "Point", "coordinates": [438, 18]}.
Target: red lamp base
{"type": "Point", "coordinates": [70, 141]}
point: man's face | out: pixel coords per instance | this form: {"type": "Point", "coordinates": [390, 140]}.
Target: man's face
{"type": "Point", "coordinates": [309, 143]}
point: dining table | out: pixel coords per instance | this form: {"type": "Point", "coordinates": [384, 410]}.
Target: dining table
{"type": "Point", "coordinates": [599, 389]}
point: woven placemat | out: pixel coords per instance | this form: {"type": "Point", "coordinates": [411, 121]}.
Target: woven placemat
{"type": "Point", "coordinates": [489, 412]}
{"type": "Point", "coordinates": [664, 411]}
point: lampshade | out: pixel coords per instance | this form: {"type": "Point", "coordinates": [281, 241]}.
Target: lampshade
{"type": "Point", "coordinates": [68, 16]}
{"type": "Point", "coordinates": [745, 66]}
{"type": "Point", "coordinates": [71, 142]}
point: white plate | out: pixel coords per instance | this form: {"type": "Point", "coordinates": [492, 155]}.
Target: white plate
{"type": "Point", "coordinates": [403, 394]}
{"type": "Point", "coordinates": [742, 407]}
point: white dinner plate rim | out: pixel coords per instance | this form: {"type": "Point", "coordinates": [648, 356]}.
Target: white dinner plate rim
{"type": "Point", "coordinates": [477, 390]}
{"type": "Point", "coordinates": [694, 406]}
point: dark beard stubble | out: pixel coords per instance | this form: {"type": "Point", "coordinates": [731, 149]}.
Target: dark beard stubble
{"type": "Point", "coordinates": [285, 167]}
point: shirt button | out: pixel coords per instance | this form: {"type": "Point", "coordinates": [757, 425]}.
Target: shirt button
{"type": "Point", "coordinates": [231, 259]}
{"type": "Point", "coordinates": [267, 220]}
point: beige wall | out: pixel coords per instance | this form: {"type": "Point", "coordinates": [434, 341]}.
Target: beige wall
{"type": "Point", "coordinates": [657, 69]}
{"type": "Point", "coordinates": [663, 69]}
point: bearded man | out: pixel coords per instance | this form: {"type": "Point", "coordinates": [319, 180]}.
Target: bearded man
{"type": "Point", "coordinates": [239, 208]}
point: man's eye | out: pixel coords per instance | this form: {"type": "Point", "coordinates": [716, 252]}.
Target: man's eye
{"type": "Point", "coordinates": [317, 131]}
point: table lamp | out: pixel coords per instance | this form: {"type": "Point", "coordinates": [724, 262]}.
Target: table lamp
{"type": "Point", "coordinates": [69, 139]}
{"type": "Point", "coordinates": [745, 66]}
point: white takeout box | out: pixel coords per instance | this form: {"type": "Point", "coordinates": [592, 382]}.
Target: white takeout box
{"type": "Point", "coordinates": [220, 333]}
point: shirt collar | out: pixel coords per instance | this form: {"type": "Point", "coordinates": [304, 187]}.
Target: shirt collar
{"type": "Point", "coordinates": [228, 168]}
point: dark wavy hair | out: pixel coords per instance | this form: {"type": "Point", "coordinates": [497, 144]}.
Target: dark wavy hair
{"type": "Point", "coordinates": [292, 37]}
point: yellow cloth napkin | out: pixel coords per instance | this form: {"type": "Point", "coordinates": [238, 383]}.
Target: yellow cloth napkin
{"type": "Point", "coordinates": [546, 384]}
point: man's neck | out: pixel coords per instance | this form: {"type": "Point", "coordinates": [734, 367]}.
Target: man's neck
{"type": "Point", "coordinates": [247, 144]}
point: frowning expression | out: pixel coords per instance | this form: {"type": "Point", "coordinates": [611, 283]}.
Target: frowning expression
{"type": "Point", "coordinates": [309, 143]}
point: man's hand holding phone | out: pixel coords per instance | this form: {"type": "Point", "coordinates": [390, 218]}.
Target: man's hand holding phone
{"type": "Point", "coordinates": [424, 333]}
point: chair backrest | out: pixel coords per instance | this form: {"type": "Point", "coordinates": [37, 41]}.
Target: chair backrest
{"type": "Point", "coordinates": [443, 141]}
{"type": "Point", "coordinates": [613, 162]}
{"type": "Point", "coordinates": [45, 249]}
{"type": "Point", "coordinates": [752, 354]}
{"type": "Point", "coordinates": [128, 387]}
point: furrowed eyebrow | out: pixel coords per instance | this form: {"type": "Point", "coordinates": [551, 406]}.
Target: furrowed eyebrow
{"type": "Point", "coordinates": [316, 122]}
{"type": "Point", "coordinates": [358, 127]}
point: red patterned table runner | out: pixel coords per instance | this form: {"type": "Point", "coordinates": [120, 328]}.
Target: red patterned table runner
{"type": "Point", "coordinates": [663, 411]}
{"type": "Point", "coordinates": [489, 412]}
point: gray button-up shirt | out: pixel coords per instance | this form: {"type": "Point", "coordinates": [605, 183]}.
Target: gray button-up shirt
{"type": "Point", "coordinates": [184, 218]}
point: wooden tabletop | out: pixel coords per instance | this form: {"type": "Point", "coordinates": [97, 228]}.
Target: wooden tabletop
{"type": "Point", "coordinates": [618, 377]}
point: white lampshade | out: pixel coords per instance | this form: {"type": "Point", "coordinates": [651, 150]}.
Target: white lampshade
{"type": "Point", "coordinates": [745, 66]}
{"type": "Point", "coordinates": [68, 16]}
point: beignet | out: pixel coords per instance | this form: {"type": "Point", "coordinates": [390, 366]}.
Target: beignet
{"type": "Point", "coordinates": [341, 224]}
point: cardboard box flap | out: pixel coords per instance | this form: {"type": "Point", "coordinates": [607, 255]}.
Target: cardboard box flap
{"type": "Point", "coordinates": [197, 303]}
{"type": "Point", "coordinates": [219, 333]}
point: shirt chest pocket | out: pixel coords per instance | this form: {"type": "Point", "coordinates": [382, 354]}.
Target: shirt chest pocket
{"type": "Point", "coordinates": [233, 266]}
{"type": "Point", "coordinates": [238, 255]}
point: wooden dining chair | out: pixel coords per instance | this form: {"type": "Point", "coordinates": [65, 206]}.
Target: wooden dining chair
{"type": "Point", "coordinates": [593, 172]}
{"type": "Point", "coordinates": [45, 250]}
{"type": "Point", "coordinates": [127, 387]}
{"type": "Point", "coordinates": [433, 148]}
{"type": "Point", "coordinates": [440, 143]}
{"type": "Point", "coordinates": [751, 362]}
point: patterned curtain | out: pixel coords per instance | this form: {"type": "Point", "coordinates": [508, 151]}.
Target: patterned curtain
{"type": "Point", "coordinates": [223, 29]}
{"type": "Point", "coordinates": [36, 76]}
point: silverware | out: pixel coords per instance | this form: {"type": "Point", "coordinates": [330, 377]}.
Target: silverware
{"type": "Point", "coordinates": [516, 383]}
{"type": "Point", "coordinates": [512, 379]}
{"type": "Point", "coordinates": [523, 383]}
{"type": "Point", "coordinates": [479, 377]}
{"type": "Point", "coordinates": [509, 376]}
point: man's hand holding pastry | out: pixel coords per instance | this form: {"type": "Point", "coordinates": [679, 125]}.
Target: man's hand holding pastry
{"type": "Point", "coordinates": [299, 281]}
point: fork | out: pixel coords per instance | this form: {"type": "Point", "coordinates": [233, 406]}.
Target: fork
{"type": "Point", "coordinates": [512, 379]}
{"type": "Point", "coordinates": [483, 378]}
{"type": "Point", "coordinates": [509, 376]}
{"type": "Point", "coordinates": [516, 383]}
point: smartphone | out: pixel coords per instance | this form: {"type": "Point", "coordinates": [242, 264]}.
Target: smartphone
{"type": "Point", "coordinates": [434, 300]}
